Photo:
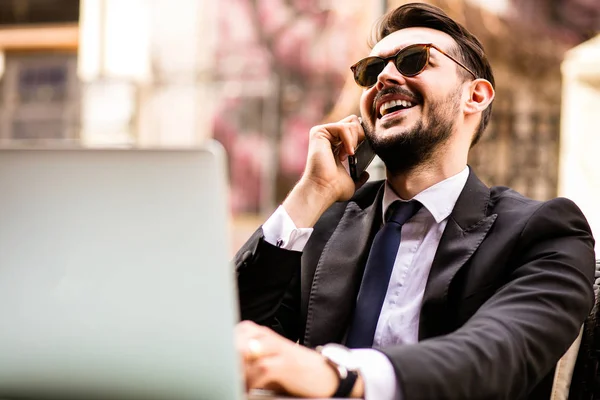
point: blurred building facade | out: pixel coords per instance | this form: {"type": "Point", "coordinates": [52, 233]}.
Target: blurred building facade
{"type": "Point", "coordinates": [39, 89]}
{"type": "Point", "coordinates": [146, 71]}
{"type": "Point", "coordinates": [107, 72]}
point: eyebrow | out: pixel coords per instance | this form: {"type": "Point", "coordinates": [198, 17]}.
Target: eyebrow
{"type": "Point", "coordinates": [394, 51]}
{"type": "Point", "coordinates": [386, 54]}
{"type": "Point", "coordinates": [390, 53]}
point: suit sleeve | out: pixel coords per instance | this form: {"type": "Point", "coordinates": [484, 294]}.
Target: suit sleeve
{"type": "Point", "coordinates": [519, 334]}
{"type": "Point", "coordinates": [268, 279]}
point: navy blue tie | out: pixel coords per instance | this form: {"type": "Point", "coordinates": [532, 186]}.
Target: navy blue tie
{"type": "Point", "coordinates": [377, 274]}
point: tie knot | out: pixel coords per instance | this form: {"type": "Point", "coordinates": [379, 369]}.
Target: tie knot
{"type": "Point", "coordinates": [401, 211]}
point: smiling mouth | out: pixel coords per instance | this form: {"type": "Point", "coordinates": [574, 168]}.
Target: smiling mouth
{"type": "Point", "coordinates": [392, 106]}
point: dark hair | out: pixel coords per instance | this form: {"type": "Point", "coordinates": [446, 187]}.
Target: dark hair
{"type": "Point", "coordinates": [470, 50]}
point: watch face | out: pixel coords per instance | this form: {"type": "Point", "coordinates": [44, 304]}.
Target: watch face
{"type": "Point", "coordinates": [340, 355]}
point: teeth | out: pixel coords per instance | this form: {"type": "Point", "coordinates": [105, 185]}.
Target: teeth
{"type": "Point", "coordinates": [393, 103]}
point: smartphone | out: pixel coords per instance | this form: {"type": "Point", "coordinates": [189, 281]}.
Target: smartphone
{"type": "Point", "coordinates": [363, 155]}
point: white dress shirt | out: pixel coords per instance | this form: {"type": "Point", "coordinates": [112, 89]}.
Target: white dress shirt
{"type": "Point", "coordinates": [399, 318]}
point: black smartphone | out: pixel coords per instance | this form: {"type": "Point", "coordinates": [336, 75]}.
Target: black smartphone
{"type": "Point", "coordinates": [363, 155]}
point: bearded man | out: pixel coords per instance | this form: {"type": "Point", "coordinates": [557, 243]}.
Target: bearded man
{"type": "Point", "coordinates": [429, 284]}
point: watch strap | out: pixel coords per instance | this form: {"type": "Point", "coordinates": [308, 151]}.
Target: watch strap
{"type": "Point", "coordinates": [346, 385]}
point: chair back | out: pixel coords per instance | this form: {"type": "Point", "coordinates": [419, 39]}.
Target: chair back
{"type": "Point", "coordinates": [585, 381]}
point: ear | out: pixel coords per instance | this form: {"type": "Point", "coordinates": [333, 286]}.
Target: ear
{"type": "Point", "coordinates": [482, 94]}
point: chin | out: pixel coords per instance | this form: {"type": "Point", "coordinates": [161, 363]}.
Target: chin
{"type": "Point", "coordinates": [394, 128]}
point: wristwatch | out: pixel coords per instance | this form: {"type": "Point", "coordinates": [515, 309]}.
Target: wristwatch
{"type": "Point", "coordinates": [342, 360]}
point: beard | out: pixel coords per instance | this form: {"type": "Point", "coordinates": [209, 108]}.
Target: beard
{"type": "Point", "coordinates": [406, 151]}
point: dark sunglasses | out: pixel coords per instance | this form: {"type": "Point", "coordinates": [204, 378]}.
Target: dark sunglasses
{"type": "Point", "coordinates": [410, 61]}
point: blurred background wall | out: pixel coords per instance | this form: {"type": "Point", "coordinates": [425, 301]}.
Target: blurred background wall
{"type": "Point", "coordinates": [257, 74]}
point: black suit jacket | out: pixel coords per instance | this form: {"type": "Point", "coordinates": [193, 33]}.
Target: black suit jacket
{"type": "Point", "coordinates": [509, 288]}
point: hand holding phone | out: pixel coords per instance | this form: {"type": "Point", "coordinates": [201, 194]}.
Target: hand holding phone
{"type": "Point", "coordinates": [327, 178]}
{"type": "Point", "coordinates": [363, 155]}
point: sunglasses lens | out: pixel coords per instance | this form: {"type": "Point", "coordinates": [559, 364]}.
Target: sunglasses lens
{"type": "Point", "coordinates": [412, 61]}
{"type": "Point", "coordinates": [367, 71]}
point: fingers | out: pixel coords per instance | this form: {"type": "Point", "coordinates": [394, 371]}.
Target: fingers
{"type": "Point", "coordinates": [253, 341]}
{"type": "Point", "coordinates": [350, 118]}
{"type": "Point", "coordinates": [295, 371]}
{"type": "Point", "coordinates": [259, 348]}
{"type": "Point", "coordinates": [351, 134]}
{"type": "Point", "coordinates": [344, 135]}
{"type": "Point", "coordinates": [262, 373]}
{"type": "Point", "coordinates": [280, 365]}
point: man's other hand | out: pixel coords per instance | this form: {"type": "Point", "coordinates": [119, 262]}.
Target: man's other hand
{"type": "Point", "coordinates": [274, 363]}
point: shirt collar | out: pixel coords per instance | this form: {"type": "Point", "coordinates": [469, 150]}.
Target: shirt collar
{"type": "Point", "coordinates": [438, 199]}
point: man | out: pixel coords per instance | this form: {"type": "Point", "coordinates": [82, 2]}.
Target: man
{"type": "Point", "coordinates": [443, 287]}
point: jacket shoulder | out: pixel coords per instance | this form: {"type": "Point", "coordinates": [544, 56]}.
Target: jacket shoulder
{"type": "Point", "coordinates": [504, 199]}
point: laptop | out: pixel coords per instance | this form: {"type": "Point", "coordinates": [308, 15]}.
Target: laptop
{"type": "Point", "coordinates": [115, 279]}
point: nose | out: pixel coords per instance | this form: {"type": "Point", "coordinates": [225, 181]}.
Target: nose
{"type": "Point", "coordinates": [390, 76]}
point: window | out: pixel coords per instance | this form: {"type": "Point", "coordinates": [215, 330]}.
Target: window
{"type": "Point", "coordinates": [39, 97]}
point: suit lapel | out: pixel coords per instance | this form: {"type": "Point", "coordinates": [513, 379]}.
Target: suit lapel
{"type": "Point", "coordinates": [467, 226]}
{"type": "Point", "coordinates": [338, 274]}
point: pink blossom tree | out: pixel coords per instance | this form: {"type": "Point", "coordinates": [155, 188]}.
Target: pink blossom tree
{"type": "Point", "coordinates": [282, 64]}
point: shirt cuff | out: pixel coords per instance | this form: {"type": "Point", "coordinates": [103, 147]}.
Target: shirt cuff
{"type": "Point", "coordinates": [280, 231]}
{"type": "Point", "coordinates": [378, 375]}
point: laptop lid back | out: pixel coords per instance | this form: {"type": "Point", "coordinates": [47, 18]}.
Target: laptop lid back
{"type": "Point", "coordinates": [114, 275]}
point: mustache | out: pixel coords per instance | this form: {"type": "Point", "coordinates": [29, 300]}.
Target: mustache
{"type": "Point", "coordinates": [395, 90]}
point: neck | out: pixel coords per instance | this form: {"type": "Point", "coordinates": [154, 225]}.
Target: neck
{"type": "Point", "coordinates": [408, 184]}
